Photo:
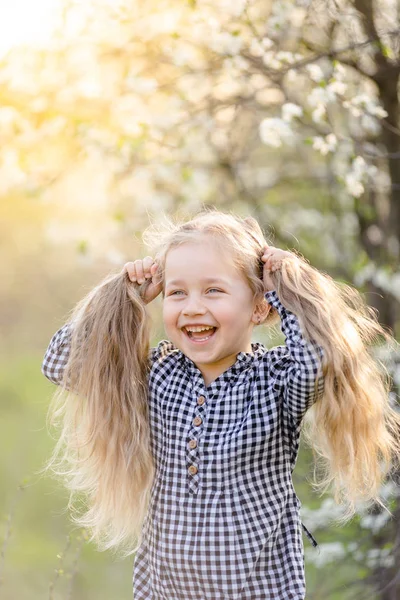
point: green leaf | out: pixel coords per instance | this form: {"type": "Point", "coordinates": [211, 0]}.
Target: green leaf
{"type": "Point", "coordinates": [386, 51]}
{"type": "Point", "coordinates": [119, 217]}
{"type": "Point", "coordinates": [186, 173]}
{"type": "Point", "coordinates": [83, 247]}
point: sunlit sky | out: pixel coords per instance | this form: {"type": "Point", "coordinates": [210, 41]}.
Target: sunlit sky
{"type": "Point", "coordinates": [27, 22]}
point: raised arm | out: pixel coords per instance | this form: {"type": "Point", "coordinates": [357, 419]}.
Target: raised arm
{"type": "Point", "coordinates": [294, 366]}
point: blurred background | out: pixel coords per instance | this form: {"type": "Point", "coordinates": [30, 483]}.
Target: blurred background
{"type": "Point", "coordinates": [113, 112]}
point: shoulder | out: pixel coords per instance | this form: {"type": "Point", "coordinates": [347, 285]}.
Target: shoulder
{"type": "Point", "coordinates": [267, 362]}
{"type": "Point", "coordinates": [165, 353]}
{"type": "Point", "coordinates": [276, 354]}
{"type": "Point", "coordinates": [275, 360]}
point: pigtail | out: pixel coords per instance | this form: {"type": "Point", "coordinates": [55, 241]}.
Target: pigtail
{"type": "Point", "coordinates": [103, 454]}
{"type": "Point", "coordinates": [352, 427]}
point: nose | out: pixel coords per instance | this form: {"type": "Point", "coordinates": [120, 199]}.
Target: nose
{"type": "Point", "coordinates": [194, 306]}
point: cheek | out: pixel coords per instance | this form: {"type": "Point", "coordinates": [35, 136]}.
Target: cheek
{"type": "Point", "coordinates": [235, 315]}
{"type": "Point", "coordinates": [169, 314]}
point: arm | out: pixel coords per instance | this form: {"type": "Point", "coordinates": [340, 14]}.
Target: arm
{"type": "Point", "coordinates": [58, 351]}
{"type": "Point", "coordinates": [57, 354]}
{"type": "Point", "coordinates": [294, 366]}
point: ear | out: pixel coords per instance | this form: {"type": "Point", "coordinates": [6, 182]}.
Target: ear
{"type": "Point", "coordinates": [260, 312]}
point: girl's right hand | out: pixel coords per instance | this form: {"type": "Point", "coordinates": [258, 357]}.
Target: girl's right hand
{"type": "Point", "coordinates": [141, 271]}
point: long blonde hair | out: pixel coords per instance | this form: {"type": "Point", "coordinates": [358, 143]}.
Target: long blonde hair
{"type": "Point", "coordinates": [104, 450]}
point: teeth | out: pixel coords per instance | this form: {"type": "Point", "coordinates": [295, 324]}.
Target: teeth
{"type": "Point", "coordinates": [197, 329]}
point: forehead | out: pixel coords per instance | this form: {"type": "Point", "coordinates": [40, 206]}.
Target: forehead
{"type": "Point", "coordinates": [204, 258]}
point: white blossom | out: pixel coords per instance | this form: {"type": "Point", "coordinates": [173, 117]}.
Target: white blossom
{"type": "Point", "coordinates": [256, 48]}
{"type": "Point", "coordinates": [378, 111]}
{"type": "Point", "coordinates": [223, 42]}
{"type": "Point", "coordinates": [327, 512]}
{"type": "Point", "coordinates": [232, 7]}
{"type": "Point", "coordinates": [354, 186]}
{"type": "Point", "coordinates": [290, 110]}
{"type": "Point", "coordinates": [325, 144]}
{"type": "Point", "coordinates": [11, 174]}
{"type": "Point", "coordinates": [141, 85]}
{"type": "Point", "coordinates": [389, 282]}
{"type": "Point", "coordinates": [9, 117]}
{"type": "Point", "coordinates": [315, 72]}
{"type": "Point", "coordinates": [374, 234]}
{"type": "Point", "coordinates": [359, 173]}
{"type": "Point", "coordinates": [379, 557]}
{"type": "Point", "coordinates": [182, 55]}
{"type": "Point", "coordinates": [297, 16]}
{"type": "Point", "coordinates": [270, 60]}
{"type": "Point", "coordinates": [321, 95]}
{"type": "Point", "coordinates": [274, 132]}
{"type": "Point", "coordinates": [328, 552]}
{"type": "Point", "coordinates": [338, 87]}
{"type": "Point", "coordinates": [280, 14]}
{"type": "Point", "coordinates": [363, 103]}
{"type": "Point", "coordinates": [267, 43]}
{"type": "Point", "coordinates": [339, 71]}
{"type": "Point", "coordinates": [115, 257]}
{"type": "Point", "coordinates": [236, 65]}
{"type": "Point", "coordinates": [370, 125]}
{"type": "Point", "coordinates": [318, 113]}
{"type": "Point", "coordinates": [375, 522]}
{"type": "Point", "coordinates": [288, 57]}
{"type": "Point", "coordinates": [318, 98]}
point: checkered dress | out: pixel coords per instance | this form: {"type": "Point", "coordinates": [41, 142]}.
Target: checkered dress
{"type": "Point", "coordinates": [223, 521]}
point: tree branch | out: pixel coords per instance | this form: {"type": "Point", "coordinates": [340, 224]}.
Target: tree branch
{"type": "Point", "coordinates": [389, 67]}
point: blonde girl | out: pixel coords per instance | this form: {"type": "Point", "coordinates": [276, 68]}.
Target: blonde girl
{"type": "Point", "coordinates": [184, 452]}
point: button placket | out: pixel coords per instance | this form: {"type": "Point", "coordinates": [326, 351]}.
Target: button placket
{"type": "Point", "coordinates": [193, 443]}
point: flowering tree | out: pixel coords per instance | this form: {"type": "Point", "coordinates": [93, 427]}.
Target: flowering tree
{"type": "Point", "coordinates": [287, 109]}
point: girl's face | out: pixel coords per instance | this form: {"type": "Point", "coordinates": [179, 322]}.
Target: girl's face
{"type": "Point", "coordinates": [203, 288]}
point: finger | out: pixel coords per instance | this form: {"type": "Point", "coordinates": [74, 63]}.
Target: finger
{"type": "Point", "coordinates": [147, 263]}
{"type": "Point", "coordinates": [139, 271]}
{"type": "Point", "coordinates": [153, 268]}
{"type": "Point", "coordinates": [129, 268]}
{"type": "Point", "coordinates": [268, 252]}
{"type": "Point", "coordinates": [157, 275]}
{"type": "Point", "coordinates": [268, 262]}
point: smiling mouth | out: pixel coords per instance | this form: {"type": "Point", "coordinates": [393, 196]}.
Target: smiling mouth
{"type": "Point", "coordinates": [200, 336]}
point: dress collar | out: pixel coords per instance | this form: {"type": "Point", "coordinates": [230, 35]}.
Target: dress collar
{"type": "Point", "coordinates": [243, 359]}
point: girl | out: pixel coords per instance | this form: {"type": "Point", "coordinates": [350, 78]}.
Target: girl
{"type": "Point", "coordinates": [188, 448]}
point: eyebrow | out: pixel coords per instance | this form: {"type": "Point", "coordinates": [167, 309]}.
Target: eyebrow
{"type": "Point", "coordinates": [206, 280]}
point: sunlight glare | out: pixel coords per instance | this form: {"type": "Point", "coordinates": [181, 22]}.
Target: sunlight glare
{"type": "Point", "coordinates": [27, 22]}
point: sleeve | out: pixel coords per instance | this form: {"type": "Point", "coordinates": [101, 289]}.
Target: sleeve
{"type": "Point", "coordinates": [57, 354]}
{"type": "Point", "coordinates": [294, 366]}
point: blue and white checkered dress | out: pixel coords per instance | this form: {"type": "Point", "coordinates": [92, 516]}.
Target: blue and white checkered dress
{"type": "Point", "coordinates": [223, 521]}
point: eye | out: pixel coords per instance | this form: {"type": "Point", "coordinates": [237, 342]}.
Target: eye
{"type": "Point", "coordinates": [176, 292]}
{"type": "Point", "coordinates": [215, 290]}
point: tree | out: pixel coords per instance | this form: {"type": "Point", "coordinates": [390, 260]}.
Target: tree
{"type": "Point", "coordinates": [286, 109]}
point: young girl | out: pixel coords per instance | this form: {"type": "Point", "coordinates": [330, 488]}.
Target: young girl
{"type": "Point", "coordinates": [189, 448]}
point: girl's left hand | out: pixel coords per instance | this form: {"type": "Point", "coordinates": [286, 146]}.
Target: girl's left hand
{"type": "Point", "coordinates": [272, 259]}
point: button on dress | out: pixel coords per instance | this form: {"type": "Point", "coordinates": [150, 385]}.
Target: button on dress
{"type": "Point", "coordinates": [223, 520]}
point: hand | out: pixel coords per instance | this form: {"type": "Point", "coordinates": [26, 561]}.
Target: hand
{"type": "Point", "coordinates": [145, 271]}
{"type": "Point", "coordinates": [273, 258]}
